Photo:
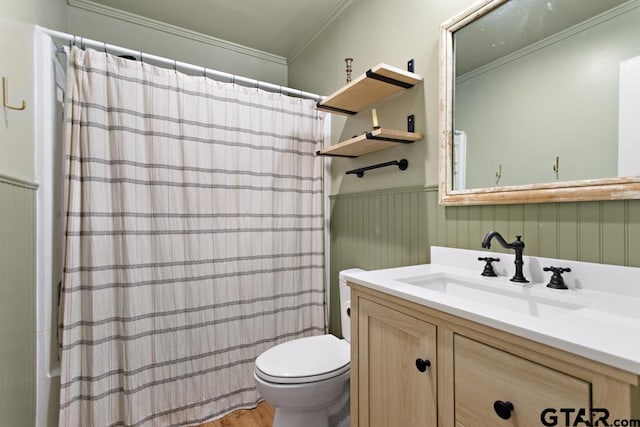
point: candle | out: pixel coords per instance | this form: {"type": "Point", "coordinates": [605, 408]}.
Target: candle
{"type": "Point", "coordinates": [374, 115]}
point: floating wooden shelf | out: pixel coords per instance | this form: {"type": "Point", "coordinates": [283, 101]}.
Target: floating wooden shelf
{"type": "Point", "coordinates": [369, 142]}
{"type": "Point", "coordinates": [377, 84]}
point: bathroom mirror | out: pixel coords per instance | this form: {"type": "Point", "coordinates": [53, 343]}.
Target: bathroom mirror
{"type": "Point", "coordinates": [540, 102]}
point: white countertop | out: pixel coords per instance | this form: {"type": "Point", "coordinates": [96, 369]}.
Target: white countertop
{"type": "Point", "coordinates": [603, 324]}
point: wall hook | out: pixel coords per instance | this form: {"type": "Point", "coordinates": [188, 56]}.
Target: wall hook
{"type": "Point", "coordinates": [499, 173]}
{"type": "Point", "coordinates": [556, 167]}
{"type": "Point", "coordinates": [5, 96]}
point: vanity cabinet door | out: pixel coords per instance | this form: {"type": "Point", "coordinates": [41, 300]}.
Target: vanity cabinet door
{"type": "Point", "coordinates": [396, 368]}
{"type": "Point", "coordinates": [485, 375]}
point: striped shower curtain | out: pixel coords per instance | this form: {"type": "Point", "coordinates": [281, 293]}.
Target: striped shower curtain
{"type": "Point", "coordinates": [194, 241]}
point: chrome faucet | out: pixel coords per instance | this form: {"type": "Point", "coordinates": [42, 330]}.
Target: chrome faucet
{"type": "Point", "coordinates": [517, 246]}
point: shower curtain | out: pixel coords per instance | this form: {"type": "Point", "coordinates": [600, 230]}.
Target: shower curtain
{"type": "Point", "coordinates": [194, 241]}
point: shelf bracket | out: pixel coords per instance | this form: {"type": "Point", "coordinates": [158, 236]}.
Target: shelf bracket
{"type": "Point", "coordinates": [369, 135]}
{"type": "Point", "coordinates": [335, 109]}
{"type": "Point", "coordinates": [388, 80]}
{"type": "Point", "coordinates": [320, 153]}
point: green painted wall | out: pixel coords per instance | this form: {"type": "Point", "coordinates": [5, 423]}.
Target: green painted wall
{"type": "Point", "coordinates": [390, 228]}
{"type": "Point", "coordinates": [374, 31]}
{"type": "Point", "coordinates": [17, 21]}
{"type": "Point", "coordinates": [391, 218]}
{"type": "Point", "coordinates": [17, 305]}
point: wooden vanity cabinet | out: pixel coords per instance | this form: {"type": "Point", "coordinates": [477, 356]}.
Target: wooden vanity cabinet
{"type": "Point", "coordinates": [397, 352]}
{"type": "Point", "coordinates": [471, 368]}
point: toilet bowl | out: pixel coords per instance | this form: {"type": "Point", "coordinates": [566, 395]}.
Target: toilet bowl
{"type": "Point", "coordinates": [307, 380]}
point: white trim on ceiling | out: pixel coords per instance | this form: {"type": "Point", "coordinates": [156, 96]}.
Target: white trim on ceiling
{"type": "Point", "coordinates": [175, 30]}
{"type": "Point", "coordinates": [337, 11]}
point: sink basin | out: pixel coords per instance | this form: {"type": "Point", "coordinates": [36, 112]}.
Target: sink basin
{"type": "Point", "coordinates": [518, 299]}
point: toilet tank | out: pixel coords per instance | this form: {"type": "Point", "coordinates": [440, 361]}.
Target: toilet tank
{"type": "Point", "coordinates": [345, 303]}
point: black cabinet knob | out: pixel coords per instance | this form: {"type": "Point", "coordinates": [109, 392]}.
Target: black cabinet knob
{"type": "Point", "coordinates": [422, 365]}
{"type": "Point", "coordinates": [503, 409]}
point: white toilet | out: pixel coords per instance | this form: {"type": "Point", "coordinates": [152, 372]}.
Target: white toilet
{"type": "Point", "coordinates": [307, 380]}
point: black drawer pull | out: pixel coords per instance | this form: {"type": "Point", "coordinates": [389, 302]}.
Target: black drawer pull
{"type": "Point", "coordinates": [422, 365]}
{"type": "Point", "coordinates": [503, 409]}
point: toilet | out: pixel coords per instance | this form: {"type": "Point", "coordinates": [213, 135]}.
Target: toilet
{"type": "Point", "coordinates": [307, 380]}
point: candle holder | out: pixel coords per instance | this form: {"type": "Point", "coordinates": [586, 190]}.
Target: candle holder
{"type": "Point", "coordinates": [374, 117]}
{"type": "Point", "coordinates": [348, 61]}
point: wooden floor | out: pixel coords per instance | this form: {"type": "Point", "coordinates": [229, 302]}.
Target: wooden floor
{"type": "Point", "coordinates": [261, 416]}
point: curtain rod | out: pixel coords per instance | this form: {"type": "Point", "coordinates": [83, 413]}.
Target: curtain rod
{"type": "Point", "coordinates": [85, 42]}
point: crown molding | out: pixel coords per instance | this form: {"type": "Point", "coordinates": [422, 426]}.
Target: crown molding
{"type": "Point", "coordinates": [564, 34]}
{"type": "Point", "coordinates": [337, 11]}
{"type": "Point", "coordinates": [175, 30]}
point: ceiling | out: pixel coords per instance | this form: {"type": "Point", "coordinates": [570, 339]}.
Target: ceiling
{"type": "Point", "coordinates": [517, 24]}
{"type": "Point", "coordinates": [279, 27]}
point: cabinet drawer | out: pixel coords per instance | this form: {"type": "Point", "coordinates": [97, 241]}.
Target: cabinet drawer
{"type": "Point", "coordinates": [484, 375]}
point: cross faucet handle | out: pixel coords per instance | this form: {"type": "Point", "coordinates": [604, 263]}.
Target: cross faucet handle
{"type": "Point", "coordinates": [488, 268]}
{"type": "Point", "coordinates": [557, 281]}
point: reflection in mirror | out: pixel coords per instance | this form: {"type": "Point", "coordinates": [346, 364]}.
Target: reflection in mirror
{"type": "Point", "coordinates": [537, 87]}
{"type": "Point", "coordinates": [541, 94]}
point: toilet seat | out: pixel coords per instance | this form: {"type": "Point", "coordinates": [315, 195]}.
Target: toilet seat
{"type": "Point", "coordinates": [304, 360]}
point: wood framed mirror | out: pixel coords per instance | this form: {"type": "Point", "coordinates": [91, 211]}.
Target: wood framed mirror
{"type": "Point", "coordinates": [540, 102]}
